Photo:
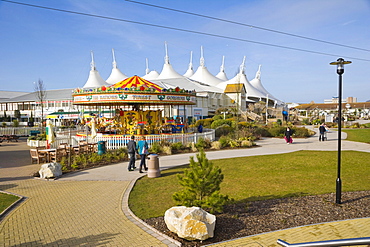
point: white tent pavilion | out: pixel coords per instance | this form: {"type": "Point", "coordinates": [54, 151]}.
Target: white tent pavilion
{"type": "Point", "coordinates": [116, 75]}
{"type": "Point", "coordinates": [94, 80]}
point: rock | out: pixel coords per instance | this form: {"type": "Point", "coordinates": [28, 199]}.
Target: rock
{"type": "Point", "coordinates": [190, 223]}
{"type": "Point", "coordinates": [50, 170]}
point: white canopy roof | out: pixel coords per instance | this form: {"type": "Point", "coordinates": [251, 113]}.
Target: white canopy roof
{"type": "Point", "coordinates": [242, 78]}
{"type": "Point", "coordinates": [222, 75]}
{"type": "Point", "coordinates": [256, 82]}
{"type": "Point", "coordinates": [168, 71]}
{"type": "Point", "coordinates": [203, 75]}
{"type": "Point", "coordinates": [94, 79]}
{"type": "Point", "coordinates": [190, 70]}
{"type": "Point", "coordinates": [151, 75]}
{"type": "Point", "coordinates": [116, 75]}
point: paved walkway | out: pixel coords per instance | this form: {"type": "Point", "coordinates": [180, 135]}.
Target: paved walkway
{"type": "Point", "coordinates": [89, 208]}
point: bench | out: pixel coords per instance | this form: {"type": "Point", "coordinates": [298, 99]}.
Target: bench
{"type": "Point", "coordinates": [9, 138]}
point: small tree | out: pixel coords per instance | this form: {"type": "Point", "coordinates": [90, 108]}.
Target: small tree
{"type": "Point", "coordinates": [201, 182]}
{"type": "Point", "coordinates": [40, 92]}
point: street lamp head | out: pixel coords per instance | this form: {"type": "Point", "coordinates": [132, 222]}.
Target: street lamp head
{"type": "Point", "coordinates": [340, 65]}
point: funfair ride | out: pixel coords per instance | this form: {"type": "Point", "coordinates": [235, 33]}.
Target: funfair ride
{"type": "Point", "coordinates": [138, 106]}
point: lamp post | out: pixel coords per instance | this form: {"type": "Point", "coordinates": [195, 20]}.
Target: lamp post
{"type": "Point", "coordinates": [340, 70]}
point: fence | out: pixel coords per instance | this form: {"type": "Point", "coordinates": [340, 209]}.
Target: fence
{"type": "Point", "coordinates": [117, 141]}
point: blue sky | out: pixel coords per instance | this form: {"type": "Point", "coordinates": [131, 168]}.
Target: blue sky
{"type": "Point", "coordinates": [55, 47]}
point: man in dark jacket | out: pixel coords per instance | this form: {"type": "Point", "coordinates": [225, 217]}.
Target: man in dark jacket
{"type": "Point", "coordinates": [322, 131]}
{"type": "Point", "coordinates": [132, 151]}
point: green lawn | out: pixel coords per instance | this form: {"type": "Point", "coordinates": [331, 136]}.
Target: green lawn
{"type": "Point", "coordinates": [358, 135]}
{"type": "Point", "coordinates": [261, 177]}
{"type": "Point", "coordinates": [6, 200]}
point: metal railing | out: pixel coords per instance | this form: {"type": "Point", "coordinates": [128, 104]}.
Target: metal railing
{"type": "Point", "coordinates": [118, 141]}
{"type": "Point", "coordinates": [330, 243]}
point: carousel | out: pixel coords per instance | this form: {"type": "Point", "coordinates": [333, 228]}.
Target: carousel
{"type": "Point", "coordinates": [137, 106]}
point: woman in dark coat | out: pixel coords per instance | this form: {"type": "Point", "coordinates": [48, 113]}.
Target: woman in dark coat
{"type": "Point", "coordinates": [288, 135]}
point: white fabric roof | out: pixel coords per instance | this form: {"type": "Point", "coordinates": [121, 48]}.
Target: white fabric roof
{"type": "Point", "coordinates": [116, 75]}
{"type": "Point", "coordinates": [168, 72]}
{"type": "Point", "coordinates": [222, 75]}
{"type": "Point", "coordinates": [242, 78]}
{"type": "Point", "coordinates": [256, 82]}
{"type": "Point", "coordinates": [203, 75]}
{"type": "Point", "coordinates": [187, 84]}
{"type": "Point", "coordinates": [94, 79]}
{"type": "Point", "coordinates": [151, 75]}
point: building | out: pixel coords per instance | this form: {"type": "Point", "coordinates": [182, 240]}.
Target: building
{"type": "Point", "coordinates": [212, 92]}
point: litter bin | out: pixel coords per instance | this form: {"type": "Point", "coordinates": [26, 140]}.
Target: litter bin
{"type": "Point", "coordinates": [153, 166]}
{"type": "Point", "coordinates": [101, 147]}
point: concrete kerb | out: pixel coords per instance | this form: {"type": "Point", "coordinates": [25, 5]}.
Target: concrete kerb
{"type": "Point", "coordinates": [12, 206]}
{"type": "Point", "coordinates": [140, 223]}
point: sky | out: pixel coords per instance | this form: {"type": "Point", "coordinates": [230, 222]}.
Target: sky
{"type": "Point", "coordinates": [55, 46]}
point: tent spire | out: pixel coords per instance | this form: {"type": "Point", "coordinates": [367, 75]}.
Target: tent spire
{"type": "Point", "coordinates": [114, 59]}
{"type": "Point", "coordinates": [166, 58]}
{"type": "Point", "coordinates": [222, 68]}
{"type": "Point", "coordinates": [147, 66]}
{"type": "Point", "coordinates": [191, 60]}
{"type": "Point", "coordinates": [92, 64]}
{"type": "Point", "coordinates": [242, 66]}
{"type": "Point", "coordinates": [201, 57]}
{"type": "Point", "coordinates": [258, 74]}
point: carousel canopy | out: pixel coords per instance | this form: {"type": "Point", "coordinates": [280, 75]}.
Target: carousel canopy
{"type": "Point", "coordinates": [136, 81]}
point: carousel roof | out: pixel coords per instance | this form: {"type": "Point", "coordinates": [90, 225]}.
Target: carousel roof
{"type": "Point", "coordinates": [136, 81]}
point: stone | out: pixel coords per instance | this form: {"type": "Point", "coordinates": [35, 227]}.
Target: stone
{"type": "Point", "coordinates": [50, 170]}
{"type": "Point", "coordinates": [190, 223]}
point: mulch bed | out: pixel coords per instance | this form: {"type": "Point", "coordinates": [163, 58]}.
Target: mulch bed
{"type": "Point", "coordinates": [245, 219]}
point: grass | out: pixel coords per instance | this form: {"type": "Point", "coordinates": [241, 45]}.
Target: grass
{"type": "Point", "coordinates": [261, 177]}
{"type": "Point", "coordinates": [6, 200]}
{"type": "Point", "coordinates": [358, 135]}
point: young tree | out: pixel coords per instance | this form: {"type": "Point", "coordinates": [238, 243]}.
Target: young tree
{"type": "Point", "coordinates": [40, 93]}
{"type": "Point", "coordinates": [201, 182]}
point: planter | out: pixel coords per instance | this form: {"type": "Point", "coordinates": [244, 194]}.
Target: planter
{"type": "Point", "coordinates": [36, 143]}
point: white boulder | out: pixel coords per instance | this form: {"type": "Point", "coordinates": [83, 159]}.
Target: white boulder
{"type": "Point", "coordinates": [50, 170]}
{"type": "Point", "coordinates": [190, 223]}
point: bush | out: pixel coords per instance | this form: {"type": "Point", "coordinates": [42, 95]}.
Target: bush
{"type": "Point", "coordinates": [223, 130]}
{"type": "Point", "coordinates": [155, 148]}
{"type": "Point", "coordinates": [203, 143]}
{"type": "Point", "coordinates": [15, 123]}
{"type": "Point", "coordinates": [221, 122]}
{"type": "Point", "coordinates": [216, 145]}
{"type": "Point", "coordinates": [177, 146]}
{"type": "Point", "coordinates": [224, 141]}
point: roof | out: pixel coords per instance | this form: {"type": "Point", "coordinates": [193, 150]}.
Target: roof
{"type": "Point", "coordinates": [116, 76]}
{"type": "Point", "coordinates": [58, 94]}
{"type": "Point", "coordinates": [136, 81]}
{"type": "Point", "coordinates": [94, 79]}
{"type": "Point", "coordinates": [331, 106]}
{"type": "Point", "coordinates": [235, 88]}
{"type": "Point", "coordinates": [10, 94]}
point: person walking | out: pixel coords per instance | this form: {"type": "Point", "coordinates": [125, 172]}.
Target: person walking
{"type": "Point", "coordinates": [322, 131]}
{"type": "Point", "coordinates": [288, 135]}
{"type": "Point", "coordinates": [132, 151]}
{"type": "Point", "coordinates": [142, 147]}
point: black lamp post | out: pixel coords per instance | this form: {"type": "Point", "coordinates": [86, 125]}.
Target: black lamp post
{"type": "Point", "coordinates": [340, 70]}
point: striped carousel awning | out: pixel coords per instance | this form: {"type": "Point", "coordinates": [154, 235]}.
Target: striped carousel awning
{"type": "Point", "coordinates": [136, 81]}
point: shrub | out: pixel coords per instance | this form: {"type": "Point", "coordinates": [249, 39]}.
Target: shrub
{"type": "Point", "coordinates": [216, 145]}
{"type": "Point", "coordinates": [177, 146]}
{"type": "Point", "coordinates": [223, 130]}
{"type": "Point", "coordinates": [221, 122]}
{"type": "Point", "coordinates": [247, 143]}
{"type": "Point", "coordinates": [203, 143]}
{"type": "Point", "coordinates": [155, 148]}
{"type": "Point", "coordinates": [15, 123]}
{"type": "Point", "coordinates": [167, 150]}
{"type": "Point", "coordinates": [201, 185]}
{"type": "Point", "coordinates": [277, 131]}
{"type": "Point", "coordinates": [224, 141]}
